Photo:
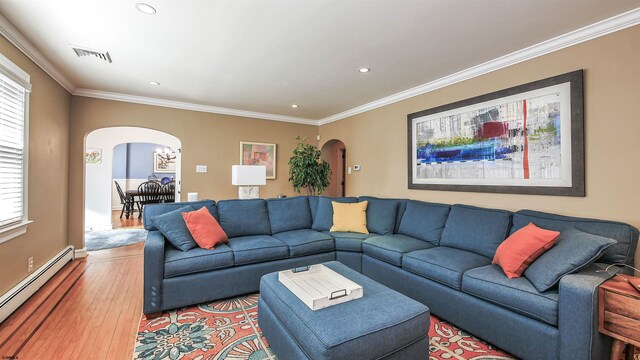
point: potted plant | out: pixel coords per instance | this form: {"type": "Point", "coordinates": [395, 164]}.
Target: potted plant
{"type": "Point", "coordinates": [307, 170]}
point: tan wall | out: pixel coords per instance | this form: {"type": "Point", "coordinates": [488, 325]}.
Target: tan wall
{"type": "Point", "coordinates": [48, 187]}
{"type": "Point", "coordinates": [377, 139]}
{"type": "Point", "coordinates": [207, 139]}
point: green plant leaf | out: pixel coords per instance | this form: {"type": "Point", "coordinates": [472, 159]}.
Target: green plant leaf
{"type": "Point", "coordinates": [307, 170]}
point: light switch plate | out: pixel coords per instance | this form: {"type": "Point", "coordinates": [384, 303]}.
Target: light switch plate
{"type": "Point", "coordinates": [349, 170]}
{"type": "Point", "coordinates": [201, 168]}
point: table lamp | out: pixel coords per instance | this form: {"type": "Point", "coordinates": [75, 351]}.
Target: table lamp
{"type": "Point", "coordinates": [248, 177]}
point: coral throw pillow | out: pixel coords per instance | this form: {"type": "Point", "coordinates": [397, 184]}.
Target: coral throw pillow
{"type": "Point", "coordinates": [520, 249]}
{"type": "Point", "coordinates": [350, 217]}
{"type": "Point", "coordinates": [204, 228]}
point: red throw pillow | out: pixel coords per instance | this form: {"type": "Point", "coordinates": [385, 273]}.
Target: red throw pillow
{"type": "Point", "coordinates": [204, 228]}
{"type": "Point", "coordinates": [520, 249]}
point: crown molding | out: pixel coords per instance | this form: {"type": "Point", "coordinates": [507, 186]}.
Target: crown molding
{"type": "Point", "coordinates": [11, 33]}
{"type": "Point", "coordinates": [98, 94]}
{"type": "Point", "coordinates": [604, 27]}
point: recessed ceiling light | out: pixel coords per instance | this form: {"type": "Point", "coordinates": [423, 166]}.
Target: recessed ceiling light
{"type": "Point", "coordinates": [294, 106]}
{"type": "Point", "coordinates": [364, 70]}
{"type": "Point", "coordinates": [145, 8]}
{"type": "Point", "coordinates": [154, 83]}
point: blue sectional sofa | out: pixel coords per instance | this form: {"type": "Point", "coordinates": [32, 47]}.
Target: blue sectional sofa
{"type": "Point", "coordinates": [437, 254]}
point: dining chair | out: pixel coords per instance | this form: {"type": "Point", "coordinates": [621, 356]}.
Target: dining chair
{"type": "Point", "coordinates": [148, 193]}
{"type": "Point", "coordinates": [169, 192]}
{"type": "Point", "coordinates": [126, 201]}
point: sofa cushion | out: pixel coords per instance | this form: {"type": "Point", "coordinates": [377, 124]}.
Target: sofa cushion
{"type": "Point", "coordinates": [305, 242]}
{"type": "Point", "coordinates": [349, 241]}
{"type": "Point", "coordinates": [475, 229]}
{"type": "Point", "coordinates": [625, 234]}
{"type": "Point", "coordinates": [402, 207]}
{"type": "Point", "coordinates": [390, 248]}
{"type": "Point", "coordinates": [424, 221]}
{"type": "Point", "coordinates": [177, 262]}
{"type": "Point", "coordinates": [381, 214]}
{"type": "Point", "coordinates": [257, 248]}
{"type": "Point", "coordinates": [151, 210]}
{"type": "Point", "coordinates": [350, 217]}
{"type": "Point", "coordinates": [323, 219]}
{"type": "Point", "coordinates": [289, 214]}
{"type": "Point", "coordinates": [244, 217]}
{"type": "Point", "coordinates": [443, 264]}
{"type": "Point", "coordinates": [573, 251]}
{"type": "Point", "coordinates": [519, 295]}
{"type": "Point", "coordinates": [174, 229]}
{"type": "Point", "coordinates": [522, 247]}
{"type": "Point", "coordinates": [313, 206]}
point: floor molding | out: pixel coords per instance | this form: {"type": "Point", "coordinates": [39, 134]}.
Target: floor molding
{"type": "Point", "coordinates": [103, 290]}
{"type": "Point", "coordinates": [20, 293]}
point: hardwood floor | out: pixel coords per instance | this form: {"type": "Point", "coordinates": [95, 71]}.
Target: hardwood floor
{"type": "Point", "coordinates": [89, 310]}
{"type": "Point", "coordinates": [131, 223]}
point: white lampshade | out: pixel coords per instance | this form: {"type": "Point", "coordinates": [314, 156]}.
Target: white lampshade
{"type": "Point", "coordinates": [244, 175]}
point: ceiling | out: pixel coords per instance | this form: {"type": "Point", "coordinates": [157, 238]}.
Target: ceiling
{"type": "Point", "coordinates": [265, 55]}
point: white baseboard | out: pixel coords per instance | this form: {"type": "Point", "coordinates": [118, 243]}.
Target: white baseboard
{"type": "Point", "coordinates": [20, 293]}
{"type": "Point", "coordinates": [80, 253]}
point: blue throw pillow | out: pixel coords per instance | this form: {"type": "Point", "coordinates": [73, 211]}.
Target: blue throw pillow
{"type": "Point", "coordinates": [174, 229]}
{"type": "Point", "coordinates": [573, 251]}
{"type": "Point", "coordinates": [323, 221]}
{"type": "Point", "coordinates": [152, 210]}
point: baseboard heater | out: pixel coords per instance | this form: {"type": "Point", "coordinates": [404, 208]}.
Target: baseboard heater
{"type": "Point", "coordinates": [20, 293]}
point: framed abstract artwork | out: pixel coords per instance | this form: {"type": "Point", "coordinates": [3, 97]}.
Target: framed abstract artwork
{"type": "Point", "coordinates": [527, 139]}
{"type": "Point", "coordinates": [253, 153]}
{"type": "Point", "coordinates": [164, 162]}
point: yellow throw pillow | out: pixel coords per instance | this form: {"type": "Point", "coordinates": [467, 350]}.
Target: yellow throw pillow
{"type": "Point", "coordinates": [350, 217]}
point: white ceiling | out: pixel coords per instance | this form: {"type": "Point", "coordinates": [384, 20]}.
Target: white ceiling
{"type": "Point", "coordinates": [264, 55]}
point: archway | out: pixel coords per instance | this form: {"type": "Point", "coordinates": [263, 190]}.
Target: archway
{"type": "Point", "coordinates": [335, 153]}
{"type": "Point", "coordinates": [98, 174]}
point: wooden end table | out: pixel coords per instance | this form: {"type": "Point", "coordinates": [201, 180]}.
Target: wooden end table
{"type": "Point", "coordinates": [619, 315]}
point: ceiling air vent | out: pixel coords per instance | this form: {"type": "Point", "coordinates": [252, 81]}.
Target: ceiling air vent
{"type": "Point", "coordinates": [102, 55]}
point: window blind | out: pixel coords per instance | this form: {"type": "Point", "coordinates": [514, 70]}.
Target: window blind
{"type": "Point", "coordinates": [12, 149]}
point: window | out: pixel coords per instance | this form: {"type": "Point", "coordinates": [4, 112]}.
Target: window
{"type": "Point", "coordinates": [14, 110]}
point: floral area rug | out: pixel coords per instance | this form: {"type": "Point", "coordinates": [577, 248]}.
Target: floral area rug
{"type": "Point", "coordinates": [228, 329]}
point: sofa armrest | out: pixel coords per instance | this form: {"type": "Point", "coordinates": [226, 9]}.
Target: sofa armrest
{"type": "Point", "coordinates": [578, 315]}
{"type": "Point", "coordinates": [153, 272]}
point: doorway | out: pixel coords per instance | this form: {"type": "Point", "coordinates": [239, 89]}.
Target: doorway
{"type": "Point", "coordinates": [335, 153]}
{"type": "Point", "coordinates": [103, 164]}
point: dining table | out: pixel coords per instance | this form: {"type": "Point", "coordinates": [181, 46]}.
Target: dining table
{"type": "Point", "coordinates": [154, 197]}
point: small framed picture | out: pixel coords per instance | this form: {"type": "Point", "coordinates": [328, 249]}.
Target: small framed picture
{"type": "Point", "coordinates": [253, 153]}
{"type": "Point", "coordinates": [93, 156]}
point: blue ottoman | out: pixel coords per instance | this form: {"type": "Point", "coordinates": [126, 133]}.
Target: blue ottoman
{"type": "Point", "coordinates": [381, 324]}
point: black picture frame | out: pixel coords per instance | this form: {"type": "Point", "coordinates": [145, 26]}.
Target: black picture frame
{"type": "Point", "coordinates": [577, 186]}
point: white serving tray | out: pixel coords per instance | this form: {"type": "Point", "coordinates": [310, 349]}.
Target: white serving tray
{"type": "Point", "coordinates": [319, 287]}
